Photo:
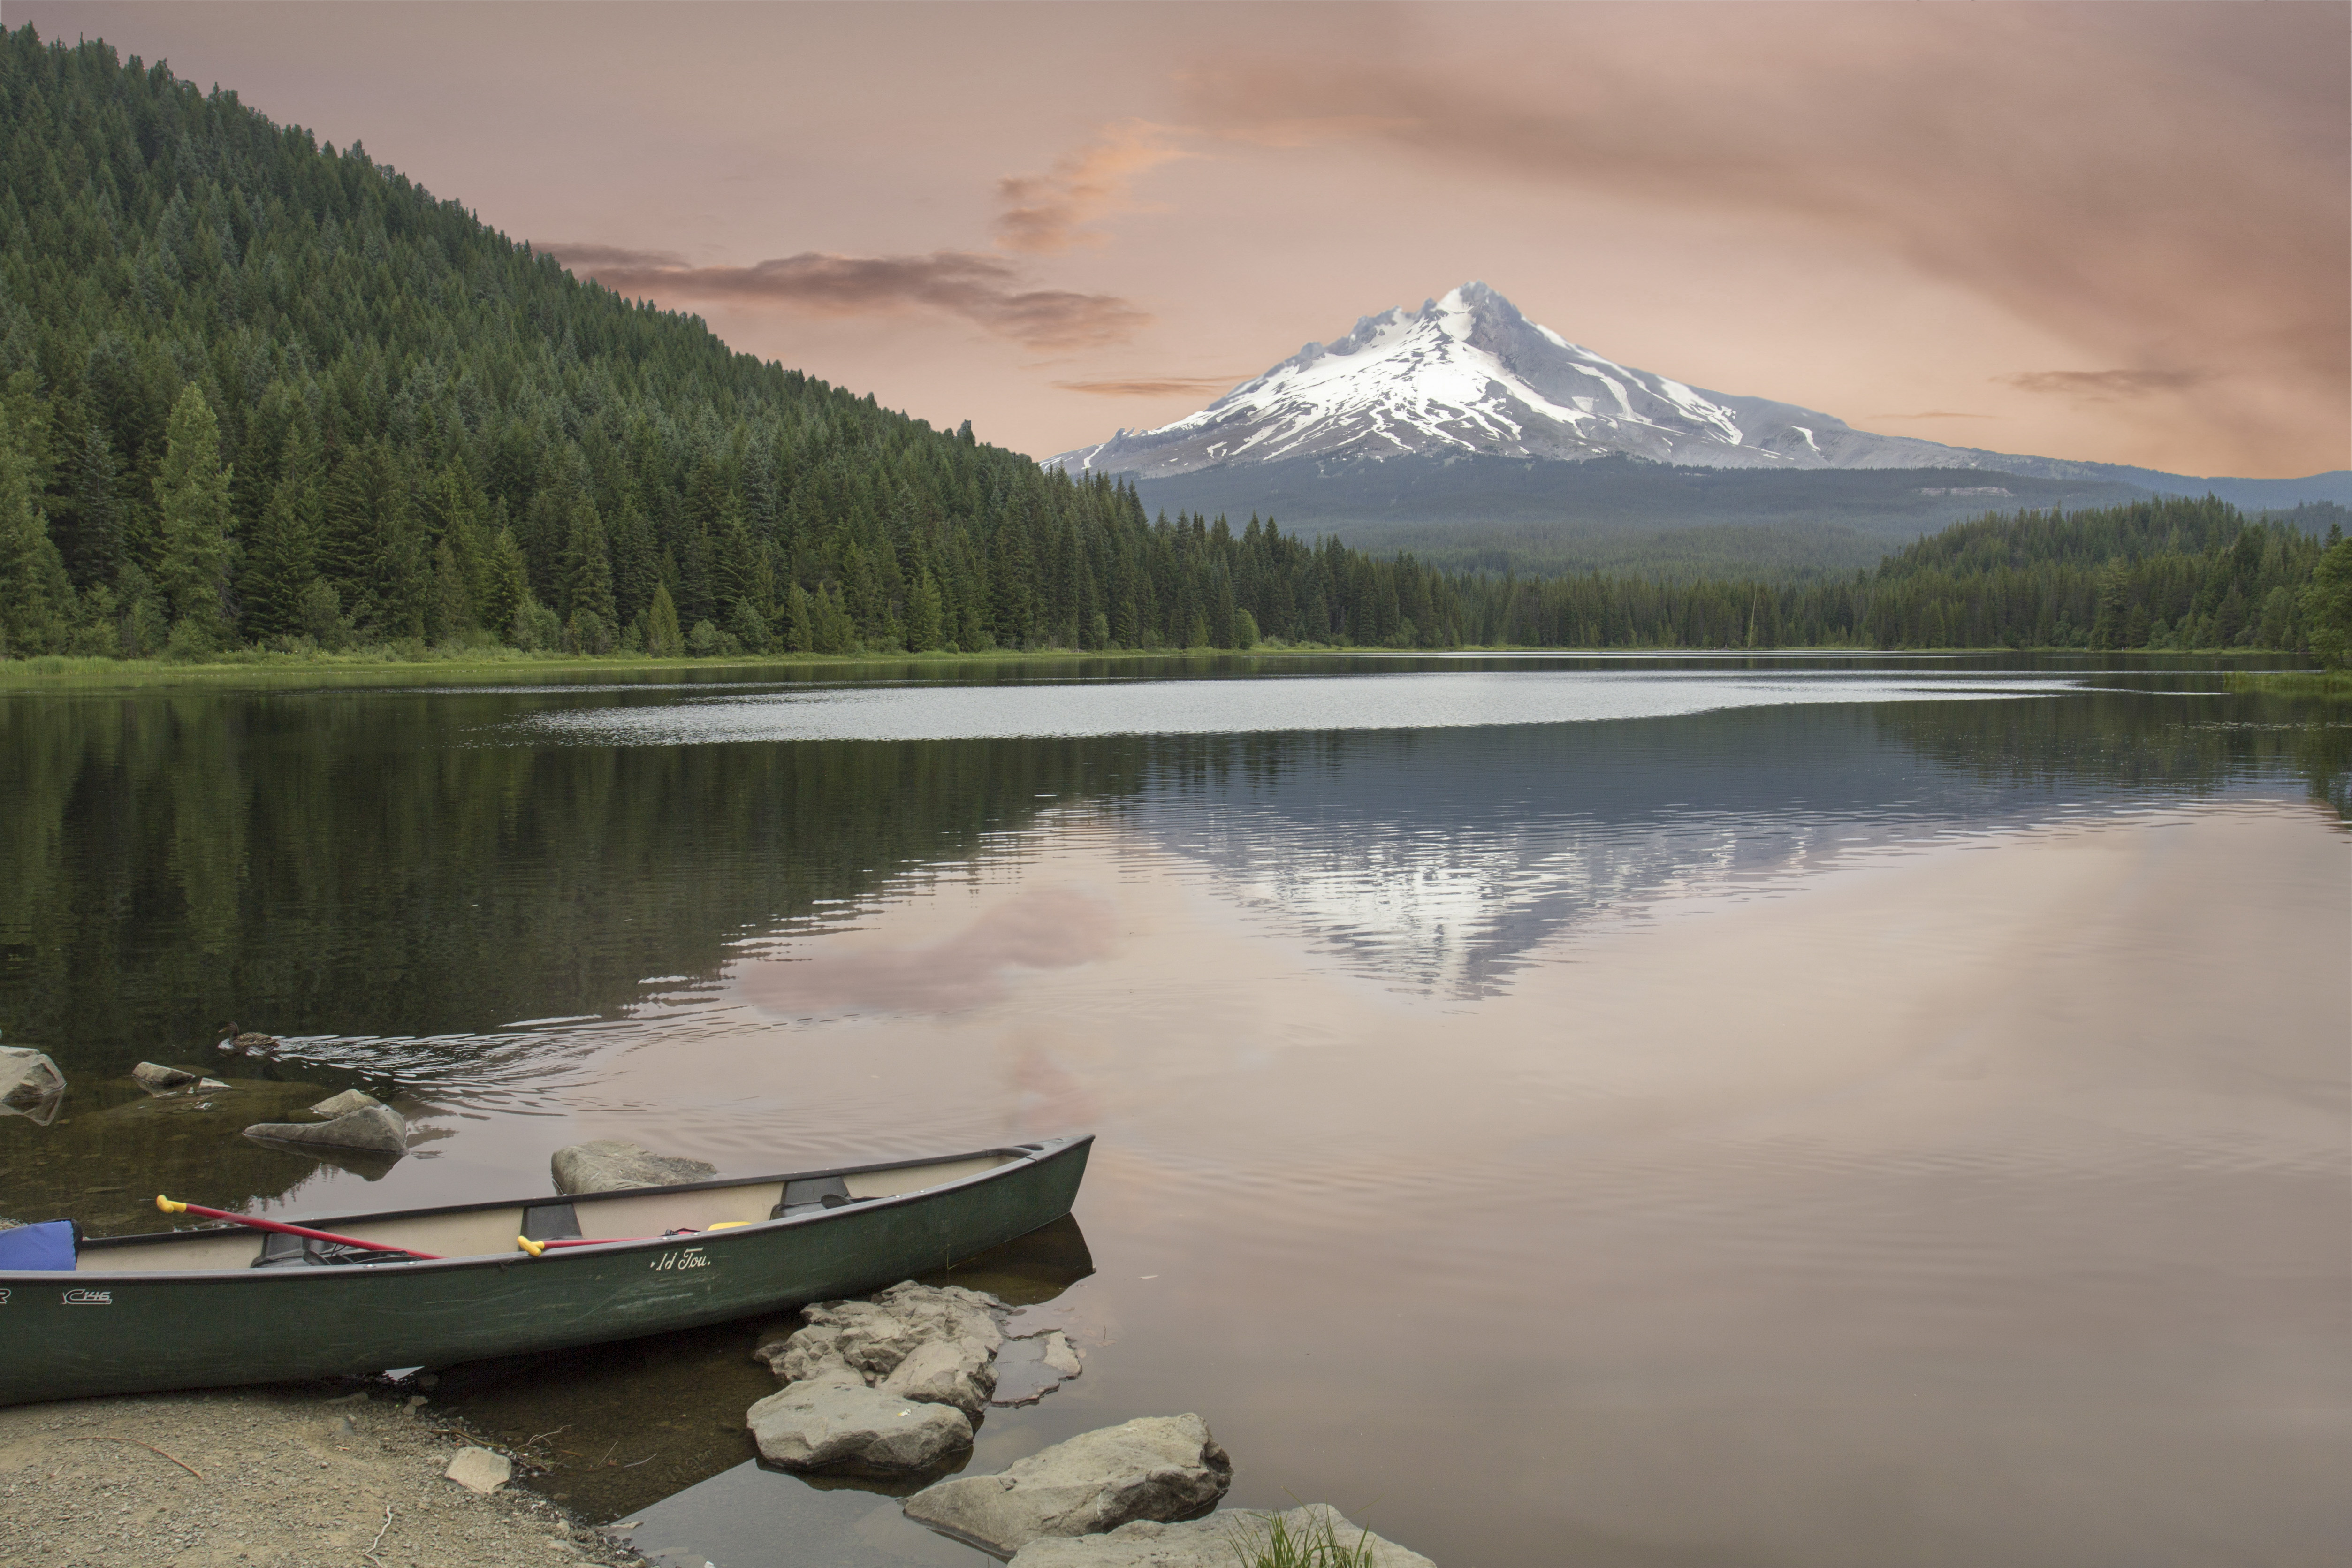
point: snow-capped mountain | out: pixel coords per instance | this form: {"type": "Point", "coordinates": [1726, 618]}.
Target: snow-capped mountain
{"type": "Point", "coordinates": [1467, 375]}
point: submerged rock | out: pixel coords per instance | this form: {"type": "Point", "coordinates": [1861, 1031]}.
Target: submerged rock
{"type": "Point", "coordinates": [342, 1104]}
{"type": "Point", "coordinates": [1158, 1468]}
{"type": "Point", "coordinates": [614, 1164]}
{"type": "Point", "coordinates": [376, 1129]}
{"type": "Point", "coordinates": [30, 1084]}
{"type": "Point", "coordinates": [831, 1420]}
{"type": "Point", "coordinates": [1220, 1541]}
{"type": "Point", "coordinates": [157, 1079]}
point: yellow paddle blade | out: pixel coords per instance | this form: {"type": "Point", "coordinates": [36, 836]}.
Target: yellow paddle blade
{"type": "Point", "coordinates": [528, 1245]}
{"type": "Point", "coordinates": [728, 1224]}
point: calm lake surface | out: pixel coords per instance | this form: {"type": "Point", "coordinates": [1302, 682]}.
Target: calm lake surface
{"type": "Point", "coordinates": [1643, 1113]}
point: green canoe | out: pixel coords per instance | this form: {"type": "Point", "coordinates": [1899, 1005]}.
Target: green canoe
{"type": "Point", "coordinates": [199, 1309]}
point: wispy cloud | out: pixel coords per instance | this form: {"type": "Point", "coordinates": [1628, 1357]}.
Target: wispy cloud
{"type": "Point", "coordinates": [2105, 385]}
{"type": "Point", "coordinates": [1047, 214]}
{"type": "Point", "coordinates": [1936, 414]}
{"type": "Point", "coordinates": [1155, 386]}
{"type": "Point", "coordinates": [986, 290]}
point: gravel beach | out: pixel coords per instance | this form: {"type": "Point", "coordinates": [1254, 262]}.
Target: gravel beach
{"type": "Point", "coordinates": [261, 1477]}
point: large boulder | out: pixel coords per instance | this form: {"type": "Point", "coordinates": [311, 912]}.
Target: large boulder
{"type": "Point", "coordinates": [30, 1084]}
{"type": "Point", "coordinates": [614, 1164]}
{"type": "Point", "coordinates": [1158, 1468]}
{"type": "Point", "coordinates": [375, 1130]}
{"type": "Point", "coordinates": [831, 1420]}
{"type": "Point", "coordinates": [1220, 1541]}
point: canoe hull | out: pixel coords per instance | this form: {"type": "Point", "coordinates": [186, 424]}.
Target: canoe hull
{"type": "Point", "coordinates": [94, 1331]}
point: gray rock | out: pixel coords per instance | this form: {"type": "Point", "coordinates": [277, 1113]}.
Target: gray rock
{"type": "Point", "coordinates": [1220, 1541]}
{"type": "Point", "coordinates": [833, 1421]}
{"type": "Point", "coordinates": [1158, 1468]}
{"type": "Point", "coordinates": [30, 1084]}
{"type": "Point", "coordinates": [614, 1164]}
{"type": "Point", "coordinates": [945, 1372]}
{"type": "Point", "coordinates": [157, 1079]}
{"type": "Point", "coordinates": [209, 1086]}
{"type": "Point", "coordinates": [378, 1130]}
{"type": "Point", "coordinates": [479, 1471]}
{"type": "Point", "coordinates": [342, 1104]}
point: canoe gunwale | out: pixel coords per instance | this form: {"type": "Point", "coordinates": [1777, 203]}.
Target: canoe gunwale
{"type": "Point", "coordinates": [1015, 1158]}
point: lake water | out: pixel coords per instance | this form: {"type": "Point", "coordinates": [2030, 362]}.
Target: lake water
{"type": "Point", "coordinates": [1642, 1113]}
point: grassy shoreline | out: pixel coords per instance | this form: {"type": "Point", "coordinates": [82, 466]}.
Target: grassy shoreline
{"type": "Point", "coordinates": [2330, 683]}
{"type": "Point", "coordinates": [264, 671]}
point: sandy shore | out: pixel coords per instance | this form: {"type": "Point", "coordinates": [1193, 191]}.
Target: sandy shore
{"type": "Point", "coordinates": [256, 1478]}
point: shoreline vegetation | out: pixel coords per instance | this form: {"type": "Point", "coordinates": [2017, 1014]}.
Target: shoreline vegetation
{"type": "Point", "coordinates": [272, 670]}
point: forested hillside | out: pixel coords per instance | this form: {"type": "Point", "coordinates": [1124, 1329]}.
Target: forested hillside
{"type": "Point", "coordinates": [258, 390]}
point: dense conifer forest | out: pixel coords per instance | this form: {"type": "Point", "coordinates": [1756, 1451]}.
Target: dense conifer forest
{"type": "Point", "coordinates": [256, 392]}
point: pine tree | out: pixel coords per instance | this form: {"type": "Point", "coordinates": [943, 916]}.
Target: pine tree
{"type": "Point", "coordinates": [663, 639]}
{"type": "Point", "coordinates": [193, 512]}
{"type": "Point", "coordinates": [35, 595]}
{"type": "Point", "coordinates": [506, 586]}
{"type": "Point", "coordinates": [923, 614]}
{"type": "Point", "coordinates": [282, 563]}
{"type": "Point", "coordinates": [587, 566]}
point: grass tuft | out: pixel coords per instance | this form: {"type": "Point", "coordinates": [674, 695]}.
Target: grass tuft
{"type": "Point", "coordinates": [1267, 1543]}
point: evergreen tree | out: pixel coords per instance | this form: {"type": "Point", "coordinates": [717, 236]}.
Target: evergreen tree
{"type": "Point", "coordinates": [506, 584]}
{"type": "Point", "coordinates": [662, 637]}
{"type": "Point", "coordinates": [587, 566]}
{"type": "Point", "coordinates": [193, 512]}
{"type": "Point", "coordinates": [34, 595]}
{"type": "Point", "coordinates": [282, 563]}
{"type": "Point", "coordinates": [2328, 605]}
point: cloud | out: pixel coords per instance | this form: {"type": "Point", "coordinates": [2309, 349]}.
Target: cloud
{"type": "Point", "coordinates": [1936, 414]}
{"type": "Point", "coordinates": [2155, 185]}
{"type": "Point", "coordinates": [1156, 386]}
{"type": "Point", "coordinates": [1047, 214]}
{"type": "Point", "coordinates": [2105, 385]}
{"type": "Point", "coordinates": [986, 290]}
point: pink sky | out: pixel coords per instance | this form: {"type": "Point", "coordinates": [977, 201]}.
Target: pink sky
{"type": "Point", "coordinates": [2114, 232]}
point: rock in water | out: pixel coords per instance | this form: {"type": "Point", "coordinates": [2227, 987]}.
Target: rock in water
{"type": "Point", "coordinates": [612, 1164]}
{"type": "Point", "coordinates": [833, 1421]}
{"type": "Point", "coordinates": [342, 1104]}
{"type": "Point", "coordinates": [1158, 1468]}
{"type": "Point", "coordinates": [157, 1079]}
{"type": "Point", "coordinates": [479, 1471]}
{"type": "Point", "coordinates": [1217, 1541]}
{"type": "Point", "coordinates": [945, 1372]}
{"type": "Point", "coordinates": [30, 1081]}
{"type": "Point", "coordinates": [376, 1129]}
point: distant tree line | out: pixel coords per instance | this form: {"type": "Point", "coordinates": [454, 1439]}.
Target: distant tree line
{"type": "Point", "coordinates": [2170, 574]}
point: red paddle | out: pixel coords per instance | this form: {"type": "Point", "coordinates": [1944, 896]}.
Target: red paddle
{"type": "Point", "coordinates": [168, 1206]}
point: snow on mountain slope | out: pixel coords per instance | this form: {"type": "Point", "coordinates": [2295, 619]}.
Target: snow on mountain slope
{"type": "Point", "coordinates": [1468, 375]}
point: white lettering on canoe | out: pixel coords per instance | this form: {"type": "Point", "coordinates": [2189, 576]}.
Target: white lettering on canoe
{"type": "Point", "coordinates": [4, 1297]}
{"type": "Point", "coordinates": [685, 1257]}
{"type": "Point", "coordinates": [89, 1299]}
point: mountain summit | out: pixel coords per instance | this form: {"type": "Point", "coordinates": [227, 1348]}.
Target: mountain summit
{"type": "Point", "coordinates": [1467, 375]}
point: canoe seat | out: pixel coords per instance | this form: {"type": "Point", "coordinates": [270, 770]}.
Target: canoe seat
{"type": "Point", "coordinates": [810, 1195]}
{"type": "Point", "coordinates": [281, 1251]}
{"type": "Point", "coordinates": [550, 1222]}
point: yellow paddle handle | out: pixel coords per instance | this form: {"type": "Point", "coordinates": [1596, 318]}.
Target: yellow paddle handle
{"type": "Point", "coordinates": [168, 1206]}
{"type": "Point", "coordinates": [528, 1245]}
